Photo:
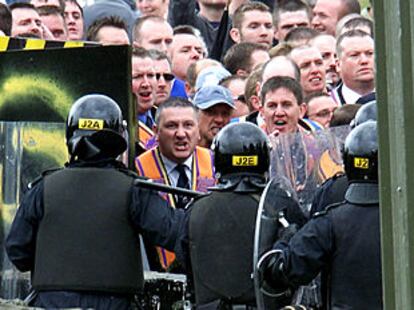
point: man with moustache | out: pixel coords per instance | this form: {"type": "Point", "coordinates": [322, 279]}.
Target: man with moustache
{"type": "Point", "coordinates": [326, 44]}
{"type": "Point", "coordinates": [177, 160]}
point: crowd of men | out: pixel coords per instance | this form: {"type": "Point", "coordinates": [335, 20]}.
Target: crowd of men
{"type": "Point", "coordinates": [288, 66]}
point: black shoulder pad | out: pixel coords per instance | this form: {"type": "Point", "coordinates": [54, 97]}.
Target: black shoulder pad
{"type": "Point", "coordinates": [338, 175]}
{"type": "Point", "coordinates": [40, 177]}
{"type": "Point", "coordinates": [133, 174]}
{"type": "Point", "coordinates": [195, 199]}
{"type": "Point", "coordinates": [332, 178]}
{"type": "Point", "coordinates": [328, 208]}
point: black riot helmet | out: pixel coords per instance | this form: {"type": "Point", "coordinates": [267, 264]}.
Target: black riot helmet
{"type": "Point", "coordinates": [361, 153]}
{"type": "Point", "coordinates": [241, 148]}
{"type": "Point", "coordinates": [94, 128]}
{"type": "Point", "coordinates": [367, 112]}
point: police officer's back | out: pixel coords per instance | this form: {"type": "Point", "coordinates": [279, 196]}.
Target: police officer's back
{"type": "Point", "coordinates": [77, 228]}
{"type": "Point", "coordinates": [221, 225]}
{"type": "Point", "coordinates": [344, 241]}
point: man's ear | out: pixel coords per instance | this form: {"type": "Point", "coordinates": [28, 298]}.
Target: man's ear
{"type": "Point", "coordinates": [255, 103]}
{"type": "Point", "coordinates": [338, 66]}
{"type": "Point", "coordinates": [303, 109]}
{"type": "Point", "coordinates": [155, 130]}
{"type": "Point", "coordinates": [241, 72]}
{"type": "Point", "coordinates": [235, 35]}
{"type": "Point", "coordinates": [188, 89]}
{"type": "Point", "coordinates": [276, 34]}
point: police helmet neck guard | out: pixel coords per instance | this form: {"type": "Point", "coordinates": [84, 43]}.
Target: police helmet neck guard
{"type": "Point", "coordinates": [361, 154]}
{"type": "Point", "coordinates": [241, 150]}
{"type": "Point", "coordinates": [361, 164]}
{"type": "Point", "coordinates": [94, 128]}
{"type": "Point", "coordinates": [242, 182]}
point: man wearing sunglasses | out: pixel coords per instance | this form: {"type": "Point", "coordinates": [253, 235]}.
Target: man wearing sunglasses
{"type": "Point", "coordinates": [163, 75]}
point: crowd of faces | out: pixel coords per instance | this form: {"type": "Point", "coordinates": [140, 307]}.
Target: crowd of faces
{"type": "Point", "coordinates": [320, 64]}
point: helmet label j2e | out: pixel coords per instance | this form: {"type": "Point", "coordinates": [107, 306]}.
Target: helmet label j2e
{"type": "Point", "coordinates": [244, 161]}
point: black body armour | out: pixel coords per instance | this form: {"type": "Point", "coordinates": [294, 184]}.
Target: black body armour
{"type": "Point", "coordinates": [354, 281]}
{"type": "Point", "coordinates": [221, 244]}
{"type": "Point", "coordinates": [86, 241]}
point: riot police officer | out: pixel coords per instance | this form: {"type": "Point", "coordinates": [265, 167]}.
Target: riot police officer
{"type": "Point", "coordinates": [221, 225]}
{"type": "Point", "coordinates": [333, 190]}
{"type": "Point", "coordinates": [343, 241]}
{"type": "Point", "coordinates": [77, 228]}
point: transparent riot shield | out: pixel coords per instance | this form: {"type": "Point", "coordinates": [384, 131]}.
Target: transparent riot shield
{"type": "Point", "coordinates": [26, 150]}
{"type": "Point", "coordinates": [276, 198]}
{"type": "Point", "coordinates": [307, 159]}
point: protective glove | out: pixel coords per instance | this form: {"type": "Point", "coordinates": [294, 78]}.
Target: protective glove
{"type": "Point", "coordinates": [286, 233]}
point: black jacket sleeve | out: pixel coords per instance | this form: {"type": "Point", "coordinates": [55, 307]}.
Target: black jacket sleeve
{"type": "Point", "coordinates": [21, 240]}
{"type": "Point", "coordinates": [300, 260]}
{"type": "Point", "coordinates": [155, 219]}
{"type": "Point", "coordinates": [182, 12]}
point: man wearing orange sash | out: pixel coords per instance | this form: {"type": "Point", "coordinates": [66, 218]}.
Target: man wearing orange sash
{"type": "Point", "coordinates": [176, 161]}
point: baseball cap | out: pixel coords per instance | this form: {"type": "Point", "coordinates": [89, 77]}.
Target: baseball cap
{"type": "Point", "coordinates": [209, 96]}
{"type": "Point", "coordinates": [211, 76]}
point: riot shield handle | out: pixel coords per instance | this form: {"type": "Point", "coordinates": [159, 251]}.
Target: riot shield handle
{"type": "Point", "coordinates": [260, 267]}
{"type": "Point", "coordinates": [282, 219]}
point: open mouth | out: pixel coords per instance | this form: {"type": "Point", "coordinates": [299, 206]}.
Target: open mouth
{"type": "Point", "coordinates": [145, 95]}
{"type": "Point", "coordinates": [181, 145]}
{"type": "Point", "coordinates": [315, 80]}
{"type": "Point", "coordinates": [215, 130]}
{"type": "Point", "coordinates": [280, 123]}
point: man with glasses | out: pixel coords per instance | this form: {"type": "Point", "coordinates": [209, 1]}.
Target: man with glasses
{"type": "Point", "coordinates": [320, 108]}
{"type": "Point", "coordinates": [163, 75]}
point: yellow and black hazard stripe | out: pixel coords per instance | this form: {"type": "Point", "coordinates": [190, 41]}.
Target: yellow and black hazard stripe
{"type": "Point", "coordinates": [16, 44]}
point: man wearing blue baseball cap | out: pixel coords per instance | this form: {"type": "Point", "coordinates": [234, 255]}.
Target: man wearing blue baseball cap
{"type": "Point", "coordinates": [216, 105]}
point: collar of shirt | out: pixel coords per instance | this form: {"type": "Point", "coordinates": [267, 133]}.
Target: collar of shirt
{"type": "Point", "coordinates": [349, 95]}
{"type": "Point", "coordinates": [173, 173]}
{"type": "Point", "coordinates": [144, 116]}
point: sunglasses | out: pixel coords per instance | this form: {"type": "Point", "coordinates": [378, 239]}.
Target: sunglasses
{"type": "Point", "coordinates": [167, 76]}
{"type": "Point", "coordinates": [240, 98]}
